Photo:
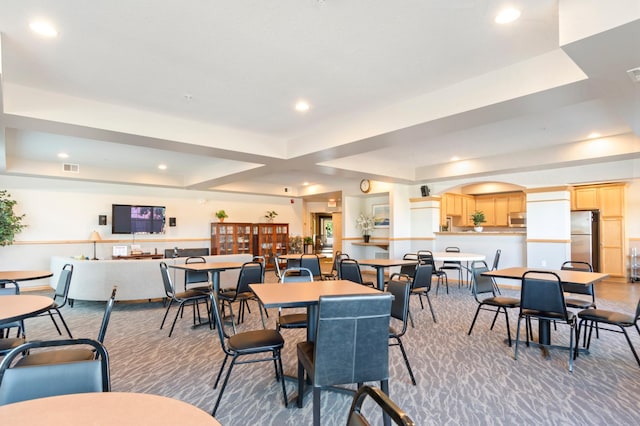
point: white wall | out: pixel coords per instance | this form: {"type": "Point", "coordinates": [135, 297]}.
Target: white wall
{"type": "Point", "coordinates": [60, 216]}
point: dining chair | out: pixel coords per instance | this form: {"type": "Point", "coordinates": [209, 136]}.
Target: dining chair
{"type": "Point", "coordinates": [621, 320]}
{"type": "Point", "coordinates": [40, 381]}
{"type": "Point", "coordinates": [389, 408]}
{"type": "Point", "coordinates": [198, 280]}
{"type": "Point", "coordinates": [250, 273]}
{"type": "Point", "coordinates": [421, 286]}
{"type": "Point", "coordinates": [409, 270]}
{"type": "Point", "coordinates": [426, 256]}
{"type": "Point", "coordinates": [351, 346]}
{"type": "Point", "coordinates": [333, 274]}
{"type": "Point", "coordinates": [61, 291]}
{"type": "Point", "coordinates": [241, 345]}
{"type": "Point", "coordinates": [295, 320]}
{"type": "Point", "coordinates": [541, 297]}
{"type": "Point", "coordinates": [72, 354]}
{"type": "Point", "coordinates": [453, 265]}
{"type": "Point", "coordinates": [496, 262]}
{"type": "Point", "coordinates": [571, 288]}
{"type": "Point", "coordinates": [312, 263]}
{"type": "Point", "coordinates": [10, 288]}
{"type": "Point", "coordinates": [349, 269]}
{"type": "Point", "coordinates": [400, 289]}
{"type": "Point", "coordinates": [189, 297]}
{"type": "Point", "coordinates": [483, 285]}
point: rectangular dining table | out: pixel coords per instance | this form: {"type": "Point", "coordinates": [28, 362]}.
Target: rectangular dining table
{"type": "Point", "coordinates": [566, 277]}
{"type": "Point", "coordinates": [214, 269]}
{"type": "Point", "coordinates": [380, 264]}
{"type": "Point", "coordinates": [306, 295]}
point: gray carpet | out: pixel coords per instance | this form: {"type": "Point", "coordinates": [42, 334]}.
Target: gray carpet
{"type": "Point", "coordinates": [461, 379]}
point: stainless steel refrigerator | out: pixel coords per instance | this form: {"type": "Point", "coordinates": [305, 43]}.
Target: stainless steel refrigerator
{"type": "Point", "coordinates": [585, 237]}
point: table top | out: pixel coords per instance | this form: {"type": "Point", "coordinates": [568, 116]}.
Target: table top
{"type": "Point", "coordinates": [24, 275]}
{"type": "Point", "coordinates": [297, 256]}
{"type": "Point", "coordinates": [573, 277]}
{"type": "Point", "coordinates": [290, 295]}
{"type": "Point", "coordinates": [104, 408]}
{"type": "Point", "coordinates": [208, 266]}
{"type": "Point", "coordinates": [457, 257]}
{"type": "Point", "coordinates": [383, 263]}
{"type": "Point", "coordinates": [21, 306]}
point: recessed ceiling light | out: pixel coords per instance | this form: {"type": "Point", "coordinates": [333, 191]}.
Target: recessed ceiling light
{"type": "Point", "coordinates": [302, 106]}
{"type": "Point", "coordinates": [162, 166]}
{"type": "Point", "coordinates": [43, 28]}
{"type": "Point", "coordinates": [455, 158]}
{"type": "Point", "coordinates": [594, 135]}
{"type": "Point", "coordinates": [305, 183]}
{"type": "Point", "coordinates": [63, 155]}
{"type": "Point", "coordinates": [507, 15]}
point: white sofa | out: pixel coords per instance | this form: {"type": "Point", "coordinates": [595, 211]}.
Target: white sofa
{"type": "Point", "coordinates": [136, 279]}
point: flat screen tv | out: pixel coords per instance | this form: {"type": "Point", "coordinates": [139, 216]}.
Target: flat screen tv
{"type": "Point", "coordinates": [128, 219]}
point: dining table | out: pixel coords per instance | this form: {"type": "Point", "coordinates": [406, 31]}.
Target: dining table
{"type": "Point", "coordinates": [105, 409]}
{"type": "Point", "coordinates": [23, 275]}
{"type": "Point", "coordinates": [381, 264]}
{"type": "Point", "coordinates": [448, 256]}
{"type": "Point", "coordinates": [213, 268]}
{"type": "Point", "coordinates": [566, 277]}
{"type": "Point", "coordinates": [20, 306]}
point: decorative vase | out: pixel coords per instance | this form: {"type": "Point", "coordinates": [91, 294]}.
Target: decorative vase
{"type": "Point", "coordinates": [366, 238]}
{"type": "Point", "coordinates": [477, 228]}
{"type": "Point", "coordinates": [221, 220]}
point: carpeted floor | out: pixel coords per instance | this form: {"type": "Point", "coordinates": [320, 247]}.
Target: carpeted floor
{"type": "Point", "coordinates": [461, 379]}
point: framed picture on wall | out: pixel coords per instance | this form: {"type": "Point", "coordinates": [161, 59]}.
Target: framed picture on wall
{"type": "Point", "coordinates": [380, 213]}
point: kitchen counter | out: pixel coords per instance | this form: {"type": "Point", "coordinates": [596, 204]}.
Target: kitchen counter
{"type": "Point", "coordinates": [491, 233]}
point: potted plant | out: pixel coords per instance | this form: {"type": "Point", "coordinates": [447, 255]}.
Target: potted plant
{"type": "Point", "coordinates": [10, 224]}
{"type": "Point", "coordinates": [221, 215]}
{"type": "Point", "coordinates": [365, 224]}
{"type": "Point", "coordinates": [478, 219]}
{"type": "Point", "coordinates": [270, 215]}
{"type": "Point", "coordinates": [295, 244]}
{"type": "Point", "coordinates": [308, 245]}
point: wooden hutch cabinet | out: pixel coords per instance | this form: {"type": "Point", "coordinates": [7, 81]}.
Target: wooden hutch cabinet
{"type": "Point", "coordinates": [270, 240]}
{"type": "Point", "coordinates": [231, 238]}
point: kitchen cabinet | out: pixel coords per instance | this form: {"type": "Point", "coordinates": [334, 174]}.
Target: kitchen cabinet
{"type": "Point", "coordinates": [501, 211]}
{"type": "Point", "coordinates": [486, 204]}
{"type": "Point", "coordinates": [496, 208]}
{"type": "Point", "coordinates": [587, 198]}
{"type": "Point", "coordinates": [517, 203]}
{"type": "Point", "coordinates": [231, 238]}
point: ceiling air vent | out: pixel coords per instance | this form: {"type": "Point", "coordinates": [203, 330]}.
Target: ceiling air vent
{"type": "Point", "coordinates": [634, 74]}
{"type": "Point", "coordinates": [71, 168]}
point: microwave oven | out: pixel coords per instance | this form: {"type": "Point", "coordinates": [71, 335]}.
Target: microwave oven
{"type": "Point", "coordinates": [518, 220]}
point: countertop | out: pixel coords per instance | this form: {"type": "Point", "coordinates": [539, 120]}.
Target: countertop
{"type": "Point", "coordinates": [485, 233]}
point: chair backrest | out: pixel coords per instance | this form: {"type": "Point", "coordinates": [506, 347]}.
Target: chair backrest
{"type": "Point", "coordinates": [422, 277]}
{"type": "Point", "coordinates": [496, 260]}
{"type": "Point", "coordinates": [349, 269]}
{"type": "Point", "coordinates": [107, 315]}
{"type": "Point", "coordinates": [400, 304]}
{"type": "Point", "coordinates": [9, 288]}
{"type": "Point", "coordinates": [166, 280]}
{"type": "Point", "coordinates": [455, 263]}
{"type": "Point", "coordinates": [542, 291]}
{"type": "Point", "coordinates": [573, 265]}
{"type": "Point", "coordinates": [311, 262]}
{"type": "Point", "coordinates": [352, 339]}
{"type": "Point", "coordinates": [263, 261]}
{"type": "Point", "coordinates": [337, 257]}
{"type": "Point", "coordinates": [356, 418]}
{"type": "Point", "coordinates": [39, 381]}
{"type": "Point", "coordinates": [64, 282]}
{"type": "Point", "coordinates": [276, 267]}
{"type": "Point", "coordinates": [251, 273]}
{"type": "Point", "coordinates": [481, 284]}
{"type": "Point", "coordinates": [409, 270]}
{"type": "Point", "coordinates": [426, 256]}
{"type": "Point", "coordinates": [193, 277]}
{"type": "Point", "coordinates": [297, 275]}
{"type": "Point", "coordinates": [218, 325]}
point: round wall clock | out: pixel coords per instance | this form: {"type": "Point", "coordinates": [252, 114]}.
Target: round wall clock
{"type": "Point", "coordinates": [365, 185]}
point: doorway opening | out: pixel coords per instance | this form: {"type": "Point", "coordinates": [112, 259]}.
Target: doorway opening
{"type": "Point", "coordinates": [324, 234]}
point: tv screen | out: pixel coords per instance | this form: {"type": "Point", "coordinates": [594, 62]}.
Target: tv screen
{"type": "Point", "coordinates": [128, 219]}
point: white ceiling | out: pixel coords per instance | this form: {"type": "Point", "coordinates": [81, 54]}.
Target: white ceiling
{"type": "Point", "coordinates": [397, 89]}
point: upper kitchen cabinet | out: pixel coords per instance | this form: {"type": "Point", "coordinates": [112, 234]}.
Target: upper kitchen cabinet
{"type": "Point", "coordinates": [585, 198]}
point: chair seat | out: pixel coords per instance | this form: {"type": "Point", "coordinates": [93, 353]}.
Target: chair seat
{"type": "Point", "coordinates": [201, 289]}
{"type": "Point", "coordinates": [548, 315]}
{"type": "Point", "coordinates": [579, 303]}
{"type": "Point", "coordinates": [255, 341]}
{"type": "Point", "coordinates": [231, 294]}
{"type": "Point", "coordinates": [293, 320]}
{"type": "Point", "coordinates": [610, 317]}
{"type": "Point", "coordinates": [305, 355]}
{"type": "Point", "coordinates": [189, 294]}
{"type": "Point", "coordinates": [56, 357]}
{"type": "Point", "coordinates": [509, 302]}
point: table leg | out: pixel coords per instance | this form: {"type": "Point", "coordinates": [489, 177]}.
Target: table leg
{"type": "Point", "coordinates": [215, 281]}
{"type": "Point", "coordinates": [380, 278]}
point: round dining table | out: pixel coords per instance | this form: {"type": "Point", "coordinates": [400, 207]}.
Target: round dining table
{"type": "Point", "coordinates": [105, 408]}
{"type": "Point", "coordinates": [24, 275]}
{"type": "Point", "coordinates": [20, 306]}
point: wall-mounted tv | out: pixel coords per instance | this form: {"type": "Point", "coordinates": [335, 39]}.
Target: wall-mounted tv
{"type": "Point", "coordinates": [128, 219]}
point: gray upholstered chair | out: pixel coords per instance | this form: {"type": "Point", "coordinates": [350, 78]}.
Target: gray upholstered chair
{"type": "Point", "coordinates": [39, 381]}
{"type": "Point", "coordinates": [426, 256]}
{"type": "Point", "coordinates": [74, 353]}
{"type": "Point", "coordinates": [421, 285]}
{"type": "Point", "coordinates": [400, 289]}
{"type": "Point", "coordinates": [196, 280]}
{"type": "Point", "coordinates": [483, 286]}
{"type": "Point", "coordinates": [189, 297]}
{"type": "Point", "coordinates": [250, 273]}
{"type": "Point", "coordinates": [349, 269]}
{"type": "Point", "coordinates": [351, 346]}
{"type": "Point", "coordinates": [294, 320]}
{"type": "Point", "coordinates": [62, 291]}
{"type": "Point", "coordinates": [337, 257]}
{"type": "Point", "coordinates": [312, 263]}
{"type": "Point", "coordinates": [389, 408]}
{"type": "Point", "coordinates": [571, 288]}
{"type": "Point", "coordinates": [453, 265]}
{"type": "Point", "coordinates": [246, 343]}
